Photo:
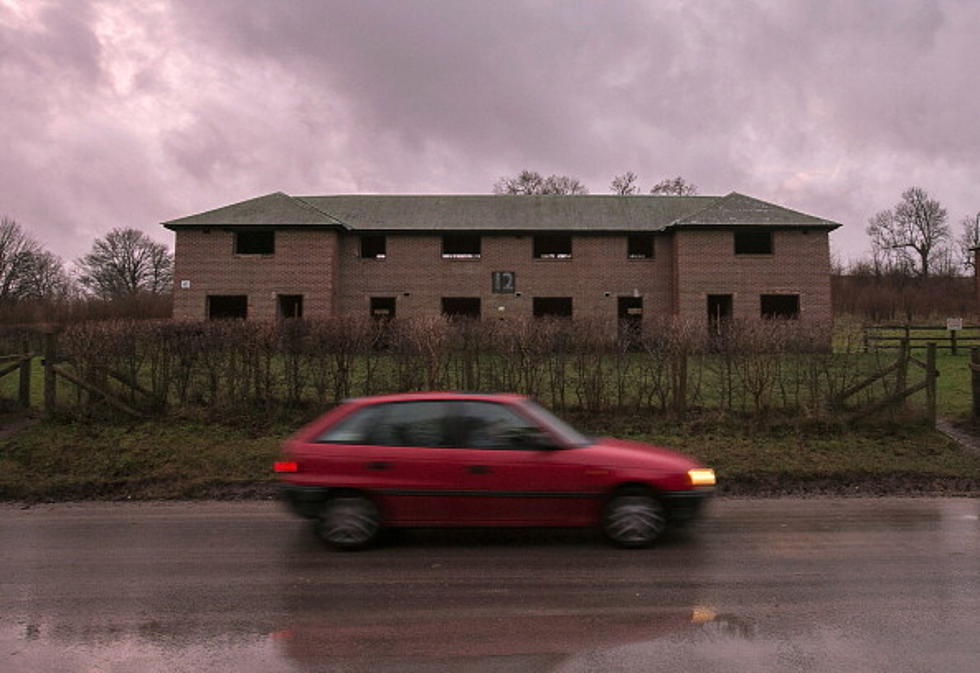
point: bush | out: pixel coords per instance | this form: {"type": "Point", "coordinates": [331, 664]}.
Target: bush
{"type": "Point", "coordinates": [242, 369]}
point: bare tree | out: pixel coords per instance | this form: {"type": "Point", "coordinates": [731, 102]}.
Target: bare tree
{"type": "Point", "coordinates": [43, 276]}
{"type": "Point", "coordinates": [915, 229]}
{"type": "Point", "coordinates": [674, 187]}
{"type": "Point", "coordinates": [16, 249]}
{"type": "Point", "coordinates": [886, 257]}
{"type": "Point", "coordinates": [126, 262]}
{"type": "Point", "coordinates": [625, 184]}
{"type": "Point", "coordinates": [968, 240]}
{"type": "Point", "coordinates": [531, 182]}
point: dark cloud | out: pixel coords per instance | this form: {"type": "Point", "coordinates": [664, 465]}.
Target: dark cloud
{"type": "Point", "coordinates": [128, 114]}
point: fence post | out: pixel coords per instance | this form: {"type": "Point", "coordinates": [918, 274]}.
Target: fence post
{"type": "Point", "coordinates": [975, 380]}
{"type": "Point", "coordinates": [50, 358]}
{"type": "Point", "coordinates": [952, 341]}
{"type": "Point", "coordinates": [931, 374]}
{"type": "Point", "coordinates": [902, 373]}
{"type": "Point", "coordinates": [24, 393]}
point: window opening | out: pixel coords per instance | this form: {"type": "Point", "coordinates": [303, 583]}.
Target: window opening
{"type": "Point", "coordinates": [461, 307]}
{"type": "Point", "coordinates": [227, 306]}
{"type": "Point", "coordinates": [374, 247]}
{"type": "Point", "coordinates": [382, 307]}
{"type": "Point", "coordinates": [639, 246]}
{"type": "Point", "coordinates": [785, 306]}
{"type": "Point", "coordinates": [753, 242]}
{"type": "Point", "coordinates": [255, 242]}
{"type": "Point", "coordinates": [552, 307]}
{"type": "Point", "coordinates": [461, 246]}
{"type": "Point", "coordinates": [290, 306]}
{"type": "Point", "coordinates": [553, 246]}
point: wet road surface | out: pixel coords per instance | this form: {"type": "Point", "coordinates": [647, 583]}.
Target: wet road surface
{"type": "Point", "coordinates": [761, 585]}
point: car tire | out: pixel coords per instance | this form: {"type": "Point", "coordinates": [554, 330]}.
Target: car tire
{"type": "Point", "coordinates": [633, 519]}
{"type": "Point", "coordinates": [348, 522]}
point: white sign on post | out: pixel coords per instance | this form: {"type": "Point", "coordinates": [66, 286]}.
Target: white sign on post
{"type": "Point", "coordinates": [953, 324]}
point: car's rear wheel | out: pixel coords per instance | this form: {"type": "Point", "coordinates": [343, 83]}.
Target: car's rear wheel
{"type": "Point", "coordinates": [633, 519]}
{"type": "Point", "coordinates": [348, 522]}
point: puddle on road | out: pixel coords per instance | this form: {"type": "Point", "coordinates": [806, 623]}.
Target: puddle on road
{"type": "Point", "coordinates": [543, 641]}
{"type": "Point", "coordinates": [31, 648]}
{"type": "Point", "coordinates": [609, 643]}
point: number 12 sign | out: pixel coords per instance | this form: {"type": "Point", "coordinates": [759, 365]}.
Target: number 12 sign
{"type": "Point", "coordinates": [504, 282]}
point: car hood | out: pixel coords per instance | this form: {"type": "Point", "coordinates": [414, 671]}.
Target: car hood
{"type": "Point", "coordinates": [656, 456]}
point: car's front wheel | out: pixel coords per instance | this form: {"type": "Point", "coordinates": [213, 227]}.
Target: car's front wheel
{"type": "Point", "coordinates": [348, 522]}
{"type": "Point", "coordinates": [633, 519]}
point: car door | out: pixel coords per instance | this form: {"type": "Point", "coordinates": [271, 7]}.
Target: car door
{"type": "Point", "coordinates": [391, 450]}
{"type": "Point", "coordinates": [511, 472]}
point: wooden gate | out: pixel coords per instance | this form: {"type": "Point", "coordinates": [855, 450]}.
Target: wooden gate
{"type": "Point", "coordinates": [903, 388]}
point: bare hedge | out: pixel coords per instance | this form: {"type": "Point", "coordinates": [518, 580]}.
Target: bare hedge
{"type": "Point", "coordinates": [758, 368]}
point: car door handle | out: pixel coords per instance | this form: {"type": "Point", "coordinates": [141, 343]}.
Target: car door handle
{"type": "Point", "coordinates": [479, 469]}
{"type": "Point", "coordinates": [378, 465]}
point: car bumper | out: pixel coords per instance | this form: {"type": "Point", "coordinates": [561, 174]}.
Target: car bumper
{"type": "Point", "coordinates": [303, 500]}
{"type": "Point", "coordinates": [686, 505]}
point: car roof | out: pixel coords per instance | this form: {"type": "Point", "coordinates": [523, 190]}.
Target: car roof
{"type": "Point", "coordinates": [436, 396]}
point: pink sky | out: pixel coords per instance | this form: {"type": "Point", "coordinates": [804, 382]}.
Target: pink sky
{"type": "Point", "coordinates": [122, 113]}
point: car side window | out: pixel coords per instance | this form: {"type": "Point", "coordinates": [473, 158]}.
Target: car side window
{"type": "Point", "coordinates": [410, 424]}
{"type": "Point", "coordinates": [354, 429]}
{"type": "Point", "coordinates": [488, 425]}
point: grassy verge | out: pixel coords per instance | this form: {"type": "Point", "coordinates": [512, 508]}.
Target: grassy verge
{"type": "Point", "coordinates": [173, 459]}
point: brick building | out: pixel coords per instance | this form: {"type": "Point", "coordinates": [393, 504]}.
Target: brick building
{"type": "Point", "coordinates": [606, 257]}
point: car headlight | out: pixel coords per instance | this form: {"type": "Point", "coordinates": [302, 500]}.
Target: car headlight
{"type": "Point", "coordinates": [701, 477]}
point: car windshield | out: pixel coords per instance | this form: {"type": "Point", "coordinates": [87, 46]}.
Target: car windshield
{"type": "Point", "coordinates": [565, 432]}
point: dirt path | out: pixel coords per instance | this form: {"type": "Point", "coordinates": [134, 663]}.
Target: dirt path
{"type": "Point", "coordinates": [965, 439]}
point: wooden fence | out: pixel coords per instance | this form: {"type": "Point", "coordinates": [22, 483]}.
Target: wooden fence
{"type": "Point", "coordinates": [891, 337]}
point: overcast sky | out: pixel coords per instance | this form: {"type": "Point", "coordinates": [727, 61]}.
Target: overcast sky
{"type": "Point", "coordinates": [122, 113]}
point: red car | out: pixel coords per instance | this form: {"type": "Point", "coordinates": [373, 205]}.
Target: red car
{"type": "Point", "coordinates": [428, 460]}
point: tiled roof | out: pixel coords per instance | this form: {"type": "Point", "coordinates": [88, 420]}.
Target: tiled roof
{"type": "Point", "coordinates": [501, 213]}
{"type": "Point", "coordinates": [276, 209]}
{"type": "Point", "coordinates": [738, 209]}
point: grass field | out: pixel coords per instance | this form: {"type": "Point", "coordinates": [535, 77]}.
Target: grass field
{"type": "Point", "coordinates": [159, 459]}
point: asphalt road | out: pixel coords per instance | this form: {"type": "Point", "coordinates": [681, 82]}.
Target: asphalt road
{"type": "Point", "coordinates": [761, 585]}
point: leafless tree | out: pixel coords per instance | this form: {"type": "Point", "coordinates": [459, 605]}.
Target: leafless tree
{"type": "Point", "coordinates": [968, 240]}
{"type": "Point", "coordinates": [531, 182]}
{"type": "Point", "coordinates": [43, 276]}
{"type": "Point", "coordinates": [915, 229]}
{"type": "Point", "coordinates": [625, 184]}
{"type": "Point", "coordinates": [16, 250]}
{"type": "Point", "coordinates": [124, 263]}
{"type": "Point", "coordinates": [886, 257]}
{"type": "Point", "coordinates": [674, 187]}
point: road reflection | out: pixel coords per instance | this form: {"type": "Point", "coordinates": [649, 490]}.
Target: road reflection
{"type": "Point", "coordinates": [832, 587]}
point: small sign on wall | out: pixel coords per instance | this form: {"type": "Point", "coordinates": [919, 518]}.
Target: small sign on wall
{"type": "Point", "coordinates": [185, 285]}
{"type": "Point", "coordinates": [954, 324]}
{"type": "Point", "coordinates": [504, 282]}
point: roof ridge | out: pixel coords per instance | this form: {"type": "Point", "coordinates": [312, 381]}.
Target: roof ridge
{"type": "Point", "coordinates": [302, 200]}
{"type": "Point", "coordinates": [719, 204]}
{"type": "Point", "coordinates": [549, 196]}
{"type": "Point", "coordinates": [708, 206]}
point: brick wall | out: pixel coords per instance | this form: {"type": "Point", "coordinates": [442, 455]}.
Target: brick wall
{"type": "Point", "coordinates": [326, 268]}
{"type": "Point", "coordinates": [414, 265]}
{"type": "Point", "coordinates": [304, 263]}
{"type": "Point", "coordinates": [707, 264]}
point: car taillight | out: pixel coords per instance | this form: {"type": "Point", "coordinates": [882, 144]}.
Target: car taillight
{"type": "Point", "coordinates": [285, 466]}
{"type": "Point", "coordinates": [701, 477]}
